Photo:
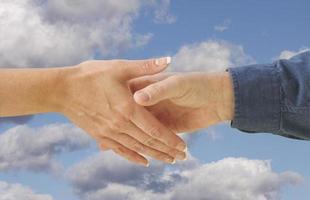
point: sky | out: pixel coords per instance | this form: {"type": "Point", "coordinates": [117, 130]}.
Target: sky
{"type": "Point", "coordinates": [46, 157]}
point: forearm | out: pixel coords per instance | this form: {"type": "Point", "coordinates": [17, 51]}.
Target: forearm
{"type": "Point", "coordinates": [31, 90]}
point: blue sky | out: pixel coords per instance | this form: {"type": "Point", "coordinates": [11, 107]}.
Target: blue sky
{"type": "Point", "coordinates": [264, 30]}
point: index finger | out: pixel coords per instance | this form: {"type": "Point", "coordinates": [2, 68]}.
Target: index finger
{"type": "Point", "coordinates": [150, 125]}
{"type": "Point", "coordinates": [135, 68]}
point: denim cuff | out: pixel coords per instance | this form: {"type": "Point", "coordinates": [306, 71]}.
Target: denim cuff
{"type": "Point", "coordinates": [257, 98]}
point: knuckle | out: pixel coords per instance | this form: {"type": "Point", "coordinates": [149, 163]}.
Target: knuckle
{"type": "Point", "coordinates": [121, 150]}
{"type": "Point", "coordinates": [150, 142]}
{"type": "Point", "coordinates": [102, 141]}
{"type": "Point", "coordinates": [103, 134]}
{"type": "Point", "coordinates": [115, 123]}
{"type": "Point", "coordinates": [138, 147]}
{"type": "Point", "coordinates": [104, 146]}
{"type": "Point", "coordinates": [159, 155]}
{"type": "Point", "coordinates": [172, 142]}
{"type": "Point", "coordinates": [116, 136]}
{"type": "Point", "coordinates": [155, 131]}
{"type": "Point", "coordinates": [172, 152]}
{"type": "Point", "coordinates": [124, 125]}
{"type": "Point", "coordinates": [156, 89]}
{"type": "Point", "coordinates": [147, 67]}
{"type": "Point", "coordinates": [99, 132]}
{"type": "Point", "coordinates": [126, 109]}
{"type": "Point", "coordinates": [129, 113]}
{"type": "Point", "coordinates": [128, 140]}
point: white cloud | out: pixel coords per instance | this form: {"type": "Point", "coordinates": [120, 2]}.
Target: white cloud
{"type": "Point", "coordinates": [17, 191]}
{"type": "Point", "coordinates": [90, 176]}
{"type": "Point", "coordinates": [116, 191]}
{"type": "Point", "coordinates": [220, 28]}
{"type": "Point", "coordinates": [56, 33]}
{"type": "Point", "coordinates": [27, 148]}
{"type": "Point", "coordinates": [286, 54]}
{"type": "Point", "coordinates": [234, 179]}
{"type": "Point", "coordinates": [209, 56]}
{"type": "Point", "coordinates": [223, 26]}
{"type": "Point", "coordinates": [106, 176]}
{"type": "Point", "coordinates": [162, 15]}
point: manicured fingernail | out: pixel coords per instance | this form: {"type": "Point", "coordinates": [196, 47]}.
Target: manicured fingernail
{"type": "Point", "coordinates": [168, 60]}
{"type": "Point", "coordinates": [185, 158]}
{"type": "Point", "coordinates": [180, 156]}
{"type": "Point", "coordinates": [169, 160]}
{"type": "Point", "coordinates": [181, 147]}
{"type": "Point", "coordinates": [163, 61]}
{"type": "Point", "coordinates": [142, 96]}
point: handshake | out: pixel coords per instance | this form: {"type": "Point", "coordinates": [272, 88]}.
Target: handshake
{"type": "Point", "coordinates": [136, 110]}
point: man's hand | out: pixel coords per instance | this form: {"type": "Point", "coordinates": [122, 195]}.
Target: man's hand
{"type": "Point", "coordinates": [98, 99]}
{"type": "Point", "coordinates": [186, 102]}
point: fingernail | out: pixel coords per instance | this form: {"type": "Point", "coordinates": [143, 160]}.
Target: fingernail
{"type": "Point", "coordinates": [169, 160]}
{"type": "Point", "coordinates": [147, 164]}
{"type": "Point", "coordinates": [181, 147]}
{"type": "Point", "coordinates": [168, 60]}
{"type": "Point", "coordinates": [142, 96]}
{"type": "Point", "coordinates": [163, 61]}
{"type": "Point", "coordinates": [180, 156]}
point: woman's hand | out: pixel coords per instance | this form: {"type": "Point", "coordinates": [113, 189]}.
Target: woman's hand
{"type": "Point", "coordinates": [186, 102]}
{"type": "Point", "coordinates": [98, 99]}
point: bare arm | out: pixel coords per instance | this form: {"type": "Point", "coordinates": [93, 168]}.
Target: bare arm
{"type": "Point", "coordinates": [95, 96]}
{"type": "Point", "coordinates": [32, 90]}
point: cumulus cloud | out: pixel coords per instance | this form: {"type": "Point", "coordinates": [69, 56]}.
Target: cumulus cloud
{"type": "Point", "coordinates": [30, 148]}
{"type": "Point", "coordinates": [105, 176]}
{"type": "Point", "coordinates": [17, 191]}
{"type": "Point", "coordinates": [52, 33]}
{"type": "Point", "coordinates": [97, 172]}
{"type": "Point", "coordinates": [233, 179]}
{"type": "Point", "coordinates": [211, 55]}
{"type": "Point", "coordinates": [162, 15]}
{"type": "Point", "coordinates": [286, 54]}
{"type": "Point", "coordinates": [222, 26]}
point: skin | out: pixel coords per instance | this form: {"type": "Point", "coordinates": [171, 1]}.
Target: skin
{"type": "Point", "coordinates": [186, 102]}
{"type": "Point", "coordinates": [95, 95]}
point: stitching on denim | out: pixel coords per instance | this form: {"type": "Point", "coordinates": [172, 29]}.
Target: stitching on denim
{"type": "Point", "coordinates": [236, 95]}
{"type": "Point", "coordinates": [277, 84]}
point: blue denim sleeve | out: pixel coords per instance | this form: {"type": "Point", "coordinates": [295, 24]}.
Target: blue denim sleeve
{"type": "Point", "coordinates": [273, 98]}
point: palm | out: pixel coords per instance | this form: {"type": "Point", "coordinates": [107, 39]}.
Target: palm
{"type": "Point", "coordinates": [184, 119]}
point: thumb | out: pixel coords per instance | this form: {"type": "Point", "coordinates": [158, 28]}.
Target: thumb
{"type": "Point", "coordinates": [170, 87]}
{"type": "Point", "coordinates": [136, 68]}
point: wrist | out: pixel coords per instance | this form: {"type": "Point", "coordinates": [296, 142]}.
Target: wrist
{"type": "Point", "coordinates": [59, 86]}
{"type": "Point", "coordinates": [226, 110]}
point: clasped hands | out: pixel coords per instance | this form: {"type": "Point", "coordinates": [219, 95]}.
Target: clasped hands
{"type": "Point", "coordinates": [135, 109]}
